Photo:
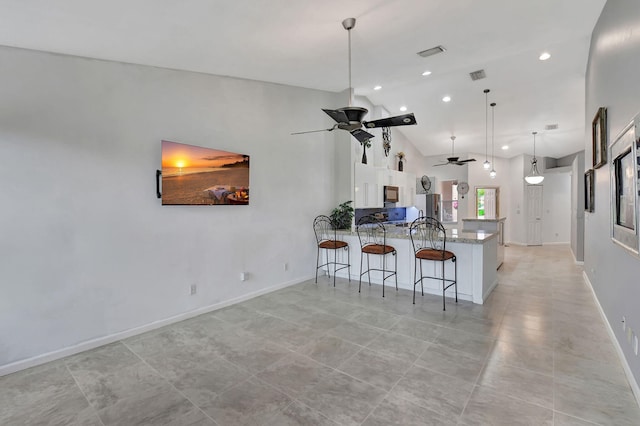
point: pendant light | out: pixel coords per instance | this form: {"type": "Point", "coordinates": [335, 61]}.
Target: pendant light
{"type": "Point", "coordinates": [486, 165]}
{"type": "Point", "coordinates": [534, 177]}
{"type": "Point", "coordinates": [493, 173]}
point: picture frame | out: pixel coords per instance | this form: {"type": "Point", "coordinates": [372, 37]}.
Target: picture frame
{"type": "Point", "coordinates": [589, 191]}
{"type": "Point", "coordinates": [599, 138]}
{"type": "Point", "coordinates": [197, 175]}
{"type": "Point", "coordinates": [625, 199]}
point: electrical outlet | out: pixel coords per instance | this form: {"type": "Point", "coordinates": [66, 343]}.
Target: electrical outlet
{"type": "Point", "coordinates": [624, 323]}
{"type": "Point", "coordinates": [635, 345]}
{"type": "Point", "coordinates": [285, 266]}
{"type": "Point", "coordinates": [244, 276]}
{"type": "Point", "coordinates": [193, 289]}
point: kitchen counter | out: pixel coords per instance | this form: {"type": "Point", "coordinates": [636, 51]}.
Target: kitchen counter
{"type": "Point", "coordinates": [488, 225]}
{"type": "Point", "coordinates": [476, 254]}
{"type": "Point", "coordinates": [473, 219]}
{"type": "Point", "coordinates": [452, 235]}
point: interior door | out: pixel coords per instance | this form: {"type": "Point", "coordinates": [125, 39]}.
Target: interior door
{"type": "Point", "coordinates": [534, 215]}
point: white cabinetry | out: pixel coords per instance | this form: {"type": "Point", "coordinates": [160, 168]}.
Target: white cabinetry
{"type": "Point", "coordinates": [370, 182]}
{"type": "Point", "coordinates": [368, 188]}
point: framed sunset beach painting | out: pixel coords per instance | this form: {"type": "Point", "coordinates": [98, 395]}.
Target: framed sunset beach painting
{"type": "Point", "coordinates": [193, 175]}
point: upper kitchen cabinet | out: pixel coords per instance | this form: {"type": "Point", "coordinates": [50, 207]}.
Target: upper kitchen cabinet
{"type": "Point", "coordinates": [370, 182]}
{"type": "Point", "coordinates": [368, 186]}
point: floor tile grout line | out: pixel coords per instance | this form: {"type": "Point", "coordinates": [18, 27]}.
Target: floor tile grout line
{"type": "Point", "coordinates": [95, 411]}
{"type": "Point", "coordinates": [170, 383]}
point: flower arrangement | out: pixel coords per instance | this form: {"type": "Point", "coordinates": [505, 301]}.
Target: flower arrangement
{"type": "Point", "coordinates": [400, 156]}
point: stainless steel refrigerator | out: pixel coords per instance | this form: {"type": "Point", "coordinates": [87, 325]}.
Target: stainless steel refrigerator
{"type": "Point", "coordinates": [429, 205]}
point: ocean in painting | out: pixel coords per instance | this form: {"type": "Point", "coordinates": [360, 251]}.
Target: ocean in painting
{"type": "Point", "coordinates": [194, 175]}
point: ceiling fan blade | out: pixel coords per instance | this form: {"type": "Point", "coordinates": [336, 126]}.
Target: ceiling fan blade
{"type": "Point", "coordinates": [361, 135]}
{"type": "Point", "coordinates": [314, 131]}
{"type": "Point", "coordinates": [443, 164]}
{"type": "Point", "coordinates": [466, 161]}
{"type": "Point", "coordinates": [338, 116]}
{"type": "Point", "coordinates": [398, 120]}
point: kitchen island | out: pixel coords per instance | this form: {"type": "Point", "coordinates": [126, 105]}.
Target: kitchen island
{"type": "Point", "coordinates": [488, 225]}
{"type": "Point", "coordinates": [476, 254]}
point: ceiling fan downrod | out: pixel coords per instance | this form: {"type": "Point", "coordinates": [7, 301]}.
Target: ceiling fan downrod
{"type": "Point", "coordinates": [348, 25]}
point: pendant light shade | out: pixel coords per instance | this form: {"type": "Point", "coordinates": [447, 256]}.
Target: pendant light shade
{"type": "Point", "coordinates": [492, 173]}
{"type": "Point", "coordinates": [486, 165]}
{"type": "Point", "coordinates": [534, 177]}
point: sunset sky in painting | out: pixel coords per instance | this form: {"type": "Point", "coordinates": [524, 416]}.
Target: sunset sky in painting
{"type": "Point", "coordinates": [185, 156]}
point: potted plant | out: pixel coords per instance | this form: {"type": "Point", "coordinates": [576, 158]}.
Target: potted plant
{"type": "Point", "coordinates": [342, 216]}
{"type": "Point", "coordinates": [401, 157]}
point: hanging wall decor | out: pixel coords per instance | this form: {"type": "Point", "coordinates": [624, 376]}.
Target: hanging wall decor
{"type": "Point", "coordinates": [386, 140]}
{"type": "Point", "coordinates": [589, 191]}
{"type": "Point", "coordinates": [599, 138]}
{"type": "Point", "coordinates": [625, 199]}
{"type": "Point", "coordinates": [193, 175]}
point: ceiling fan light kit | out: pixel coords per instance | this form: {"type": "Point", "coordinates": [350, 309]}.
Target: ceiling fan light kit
{"type": "Point", "coordinates": [351, 118]}
{"type": "Point", "coordinates": [534, 177]}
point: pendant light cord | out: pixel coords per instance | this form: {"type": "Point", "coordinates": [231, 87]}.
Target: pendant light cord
{"type": "Point", "coordinates": [486, 123]}
{"type": "Point", "coordinates": [493, 133]}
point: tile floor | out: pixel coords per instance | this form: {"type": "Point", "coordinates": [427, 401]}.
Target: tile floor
{"type": "Point", "coordinates": [537, 353]}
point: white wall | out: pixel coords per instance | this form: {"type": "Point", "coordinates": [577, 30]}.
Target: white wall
{"type": "Point", "coordinates": [577, 207]}
{"type": "Point", "coordinates": [612, 81]}
{"type": "Point", "coordinates": [87, 251]}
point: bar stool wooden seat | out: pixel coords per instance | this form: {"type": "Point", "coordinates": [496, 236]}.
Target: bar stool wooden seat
{"type": "Point", "coordinates": [373, 241]}
{"type": "Point", "coordinates": [326, 239]}
{"type": "Point", "coordinates": [429, 240]}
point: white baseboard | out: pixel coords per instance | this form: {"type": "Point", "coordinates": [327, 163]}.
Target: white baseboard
{"type": "Point", "coordinates": [104, 340]}
{"type": "Point", "coordinates": [489, 290]}
{"type": "Point", "coordinates": [556, 243]}
{"type": "Point", "coordinates": [625, 365]}
{"type": "Point", "coordinates": [576, 261]}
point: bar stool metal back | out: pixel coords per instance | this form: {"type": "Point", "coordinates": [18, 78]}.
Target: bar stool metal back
{"type": "Point", "coordinates": [429, 240]}
{"type": "Point", "coordinates": [326, 239]}
{"type": "Point", "coordinates": [373, 241]}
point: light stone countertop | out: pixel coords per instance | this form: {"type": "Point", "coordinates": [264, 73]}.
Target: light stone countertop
{"type": "Point", "coordinates": [474, 219]}
{"type": "Point", "coordinates": [452, 235]}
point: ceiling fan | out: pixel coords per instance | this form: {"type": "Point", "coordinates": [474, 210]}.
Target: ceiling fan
{"type": "Point", "coordinates": [350, 118]}
{"type": "Point", "coordinates": [455, 160]}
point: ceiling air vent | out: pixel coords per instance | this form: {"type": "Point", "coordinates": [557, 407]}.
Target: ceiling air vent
{"type": "Point", "coordinates": [477, 75]}
{"type": "Point", "coordinates": [432, 51]}
{"type": "Point", "coordinates": [551, 127]}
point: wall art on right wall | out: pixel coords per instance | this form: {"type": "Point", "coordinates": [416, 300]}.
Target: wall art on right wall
{"type": "Point", "coordinates": [589, 191]}
{"type": "Point", "coordinates": [625, 199]}
{"type": "Point", "coordinates": [599, 138]}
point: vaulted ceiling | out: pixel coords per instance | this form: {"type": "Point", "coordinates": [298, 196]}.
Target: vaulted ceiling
{"type": "Point", "coordinates": [302, 43]}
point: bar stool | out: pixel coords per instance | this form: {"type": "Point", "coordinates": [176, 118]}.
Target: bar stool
{"type": "Point", "coordinates": [373, 241]}
{"type": "Point", "coordinates": [326, 239]}
{"type": "Point", "coordinates": [429, 240]}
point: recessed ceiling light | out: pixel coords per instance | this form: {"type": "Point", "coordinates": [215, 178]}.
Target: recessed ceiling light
{"type": "Point", "coordinates": [505, 147]}
{"type": "Point", "coordinates": [446, 99]}
{"type": "Point", "coordinates": [545, 56]}
{"type": "Point", "coordinates": [426, 73]}
{"type": "Point", "coordinates": [377, 88]}
{"type": "Point", "coordinates": [403, 108]}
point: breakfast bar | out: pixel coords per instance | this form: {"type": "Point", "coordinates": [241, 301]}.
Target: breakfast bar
{"type": "Point", "coordinates": [476, 254]}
